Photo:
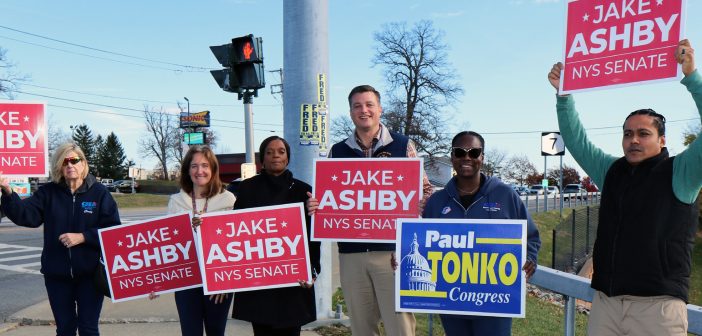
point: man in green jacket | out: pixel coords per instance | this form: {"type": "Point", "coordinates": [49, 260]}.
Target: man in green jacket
{"type": "Point", "coordinates": [648, 216]}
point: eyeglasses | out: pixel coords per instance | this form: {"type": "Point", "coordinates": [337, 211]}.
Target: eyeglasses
{"type": "Point", "coordinates": [72, 160]}
{"type": "Point", "coordinates": [460, 152]}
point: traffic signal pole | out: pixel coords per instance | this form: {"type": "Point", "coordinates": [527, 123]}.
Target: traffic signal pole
{"type": "Point", "coordinates": [305, 70]}
{"type": "Point", "coordinates": [248, 127]}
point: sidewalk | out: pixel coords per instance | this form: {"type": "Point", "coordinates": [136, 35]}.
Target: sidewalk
{"type": "Point", "coordinates": [137, 317]}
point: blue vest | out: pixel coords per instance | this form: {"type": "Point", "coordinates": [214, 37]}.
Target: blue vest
{"type": "Point", "coordinates": [397, 148]}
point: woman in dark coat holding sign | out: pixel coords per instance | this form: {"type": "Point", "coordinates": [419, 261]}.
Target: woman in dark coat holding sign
{"type": "Point", "coordinates": [278, 311]}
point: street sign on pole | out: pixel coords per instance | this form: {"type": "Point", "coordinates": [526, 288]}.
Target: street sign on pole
{"type": "Point", "coordinates": [552, 144]}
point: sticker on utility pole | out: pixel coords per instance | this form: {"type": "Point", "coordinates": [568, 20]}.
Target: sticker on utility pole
{"type": "Point", "coordinates": [322, 91]}
{"type": "Point", "coordinates": [309, 126]}
{"type": "Point", "coordinates": [552, 144]}
{"type": "Point", "coordinates": [323, 138]}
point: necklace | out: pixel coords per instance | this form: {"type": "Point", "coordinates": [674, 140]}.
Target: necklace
{"type": "Point", "coordinates": [468, 192]}
{"type": "Point", "coordinates": [204, 208]}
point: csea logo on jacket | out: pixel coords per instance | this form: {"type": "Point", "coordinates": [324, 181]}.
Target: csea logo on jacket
{"type": "Point", "coordinates": [88, 207]}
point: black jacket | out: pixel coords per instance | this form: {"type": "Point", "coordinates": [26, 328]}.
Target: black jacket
{"type": "Point", "coordinates": [645, 235]}
{"type": "Point", "coordinates": [90, 208]}
{"type": "Point", "coordinates": [277, 307]}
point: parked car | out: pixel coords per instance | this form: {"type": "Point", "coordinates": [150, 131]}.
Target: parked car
{"type": "Point", "coordinates": [109, 184]}
{"type": "Point", "coordinates": [536, 189]}
{"type": "Point", "coordinates": [552, 190]}
{"type": "Point", "coordinates": [574, 191]}
{"type": "Point", "coordinates": [125, 186]}
{"type": "Point", "coordinates": [521, 190]}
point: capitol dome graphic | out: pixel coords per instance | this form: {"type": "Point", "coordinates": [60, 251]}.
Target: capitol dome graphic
{"type": "Point", "coordinates": [416, 274]}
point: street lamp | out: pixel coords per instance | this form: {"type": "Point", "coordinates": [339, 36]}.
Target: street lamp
{"type": "Point", "coordinates": [187, 100]}
{"type": "Point", "coordinates": [73, 130]}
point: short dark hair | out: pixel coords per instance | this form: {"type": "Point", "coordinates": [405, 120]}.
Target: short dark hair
{"type": "Point", "coordinates": [268, 140]}
{"type": "Point", "coordinates": [471, 133]}
{"type": "Point", "coordinates": [362, 89]}
{"type": "Point", "coordinates": [658, 119]}
{"type": "Point", "coordinates": [215, 185]}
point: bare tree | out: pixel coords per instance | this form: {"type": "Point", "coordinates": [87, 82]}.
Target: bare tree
{"type": "Point", "coordinates": [518, 168]}
{"type": "Point", "coordinates": [421, 83]}
{"type": "Point", "coordinates": [9, 78]}
{"type": "Point", "coordinates": [494, 162]}
{"type": "Point", "coordinates": [55, 134]}
{"type": "Point", "coordinates": [160, 127]}
{"type": "Point", "coordinates": [341, 128]}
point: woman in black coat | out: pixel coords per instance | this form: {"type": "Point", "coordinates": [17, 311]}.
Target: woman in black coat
{"type": "Point", "coordinates": [277, 311]}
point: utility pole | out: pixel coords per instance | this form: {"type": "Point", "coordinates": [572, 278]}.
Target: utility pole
{"type": "Point", "coordinates": [306, 111]}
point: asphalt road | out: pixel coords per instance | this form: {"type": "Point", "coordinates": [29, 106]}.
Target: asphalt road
{"type": "Point", "coordinates": [21, 284]}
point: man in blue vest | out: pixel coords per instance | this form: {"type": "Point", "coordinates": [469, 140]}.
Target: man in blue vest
{"type": "Point", "coordinates": [367, 277]}
{"type": "Point", "coordinates": [648, 216]}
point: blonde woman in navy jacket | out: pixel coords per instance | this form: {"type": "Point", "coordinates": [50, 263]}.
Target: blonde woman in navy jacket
{"type": "Point", "coordinates": [72, 207]}
{"type": "Point", "coordinates": [472, 194]}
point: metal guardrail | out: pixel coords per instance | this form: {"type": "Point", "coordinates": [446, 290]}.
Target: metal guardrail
{"type": "Point", "coordinates": [574, 287]}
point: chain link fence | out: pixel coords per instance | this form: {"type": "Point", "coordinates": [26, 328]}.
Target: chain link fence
{"type": "Point", "coordinates": [574, 238]}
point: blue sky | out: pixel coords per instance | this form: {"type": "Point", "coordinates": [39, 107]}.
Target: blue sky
{"type": "Point", "coordinates": [502, 51]}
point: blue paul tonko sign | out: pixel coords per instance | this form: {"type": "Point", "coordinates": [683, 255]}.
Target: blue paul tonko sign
{"type": "Point", "coordinates": [461, 266]}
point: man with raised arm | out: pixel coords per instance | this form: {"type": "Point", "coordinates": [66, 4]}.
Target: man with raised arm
{"type": "Point", "coordinates": [648, 216]}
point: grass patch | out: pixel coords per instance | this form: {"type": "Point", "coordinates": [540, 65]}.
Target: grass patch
{"type": "Point", "coordinates": [546, 222]}
{"type": "Point", "coordinates": [545, 318]}
{"type": "Point", "coordinates": [140, 200]}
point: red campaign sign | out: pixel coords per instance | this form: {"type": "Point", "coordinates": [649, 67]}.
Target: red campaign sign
{"type": "Point", "coordinates": [254, 248]}
{"type": "Point", "coordinates": [23, 145]}
{"type": "Point", "coordinates": [360, 199]}
{"type": "Point", "coordinates": [620, 42]}
{"type": "Point", "coordinates": [156, 255]}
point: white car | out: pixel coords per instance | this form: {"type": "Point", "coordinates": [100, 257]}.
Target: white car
{"type": "Point", "coordinates": [536, 189]}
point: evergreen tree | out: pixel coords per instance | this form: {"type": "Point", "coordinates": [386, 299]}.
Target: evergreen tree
{"type": "Point", "coordinates": [112, 158]}
{"type": "Point", "coordinates": [97, 163]}
{"type": "Point", "coordinates": [83, 137]}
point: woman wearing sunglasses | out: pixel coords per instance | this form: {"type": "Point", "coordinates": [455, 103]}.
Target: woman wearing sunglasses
{"type": "Point", "coordinates": [472, 194]}
{"type": "Point", "coordinates": [72, 207]}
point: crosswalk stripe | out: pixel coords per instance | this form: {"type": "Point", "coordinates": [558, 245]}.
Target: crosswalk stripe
{"type": "Point", "coordinates": [34, 264]}
{"type": "Point", "coordinates": [18, 269]}
{"type": "Point", "coordinates": [22, 268]}
{"type": "Point", "coordinates": [28, 256]}
{"type": "Point", "coordinates": [19, 250]}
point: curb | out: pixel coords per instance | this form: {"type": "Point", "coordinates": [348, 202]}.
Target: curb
{"type": "Point", "coordinates": [23, 321]}
{"type": "Point", "coordinates": [7, 326]}
{"type": "Point", "coordinates": [326, 322]}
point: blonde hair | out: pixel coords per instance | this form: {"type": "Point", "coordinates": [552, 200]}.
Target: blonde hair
{"type": "Point", "coordinates": [57, 160]}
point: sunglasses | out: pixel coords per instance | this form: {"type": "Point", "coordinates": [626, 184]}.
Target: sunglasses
{"type": "Point", "coordinates": [72, 160]}
{"type": "Point", "coordinates": [460, 152]}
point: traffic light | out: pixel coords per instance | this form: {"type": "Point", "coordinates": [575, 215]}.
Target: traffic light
{"type": "Point", "coordinates": [243, 59]}
{"type": "Point", "coordinates": [247, 61]}
{"type": "Point", "coordinates": [247, 49]}
{"type": "Point", "coordinates": [226, 80]}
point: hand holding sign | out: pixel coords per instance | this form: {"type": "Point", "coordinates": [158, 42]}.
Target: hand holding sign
{"type": "Point", "coordinates": [5, 185]}
{"type": "Point", "coordinates": [685, 55]}
{"type": "Point", "coordinates": [554, 76]}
